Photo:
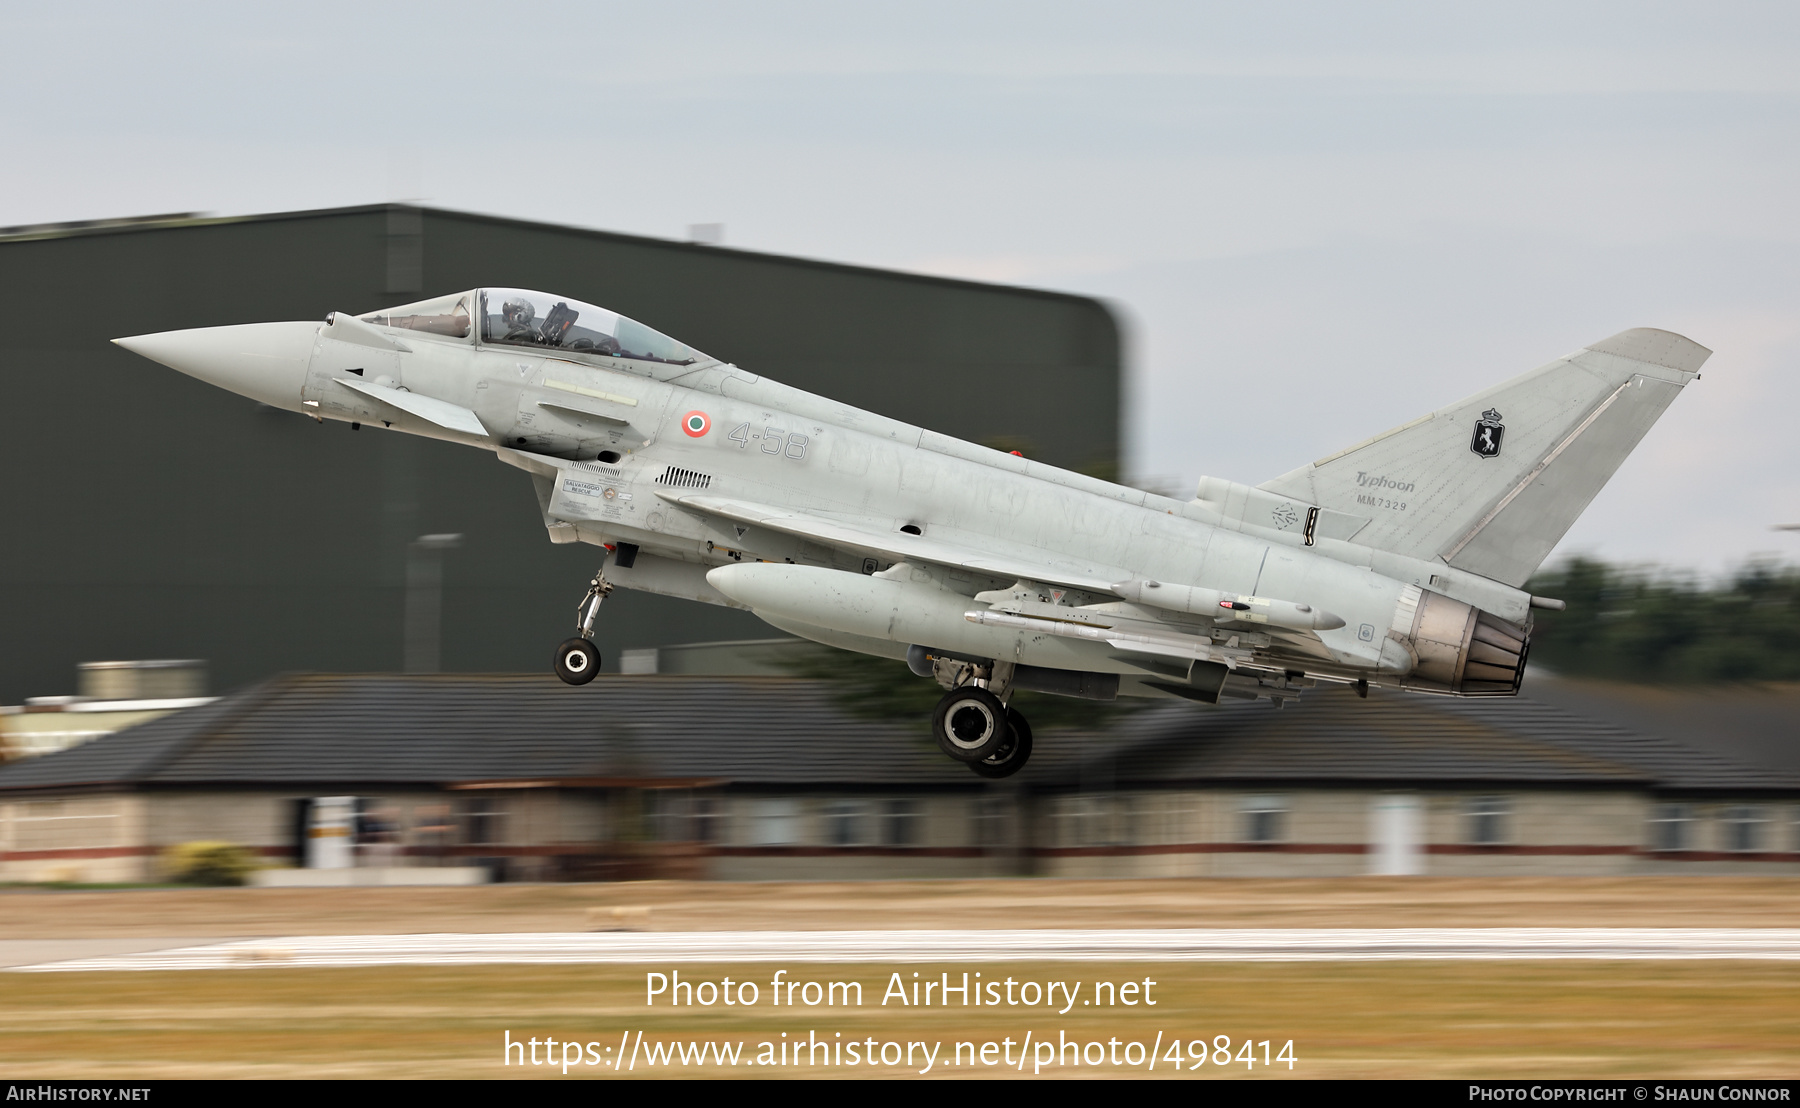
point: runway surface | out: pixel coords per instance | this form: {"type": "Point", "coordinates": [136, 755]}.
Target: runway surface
{"type": "Point", "coordinates": [1235, 945]}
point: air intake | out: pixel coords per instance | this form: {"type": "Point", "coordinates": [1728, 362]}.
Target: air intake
{"type": "Point", "coordinates": [684, 478]}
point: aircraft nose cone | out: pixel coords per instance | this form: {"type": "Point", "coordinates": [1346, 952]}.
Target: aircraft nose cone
{"type": "Point", "coordinates": [264, 361]}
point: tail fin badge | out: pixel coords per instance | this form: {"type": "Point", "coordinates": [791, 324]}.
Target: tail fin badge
{"type": "Point", "coordinates": [1488, 433]}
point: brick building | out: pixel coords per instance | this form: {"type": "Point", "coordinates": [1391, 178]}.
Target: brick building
{"type": "Point", "coordinates": [768, 777]}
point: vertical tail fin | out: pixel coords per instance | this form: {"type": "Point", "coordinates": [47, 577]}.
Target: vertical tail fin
{"type": "Point", "coordinates": [1491, 484]}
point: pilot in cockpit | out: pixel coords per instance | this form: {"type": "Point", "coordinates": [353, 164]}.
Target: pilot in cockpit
{"type": "Point", "coordinates": [518, 313]}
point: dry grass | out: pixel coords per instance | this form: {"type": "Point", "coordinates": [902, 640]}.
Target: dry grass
{"type": "Point", "coordinates": [1461, 1020]}
{"type": "Point", "coordinates": [703, 906]}
{"type": "Point", "coordinates": [1442, 1020]}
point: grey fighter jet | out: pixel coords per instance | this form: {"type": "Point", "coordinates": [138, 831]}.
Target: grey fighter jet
{"type": "Point", "coordinates": [1395, 562]}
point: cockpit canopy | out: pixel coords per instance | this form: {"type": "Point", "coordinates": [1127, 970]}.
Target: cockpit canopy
{"type": "Point", "coordinates": [447, 315]}
{"type": "Point", "coordinates": [520, 317]}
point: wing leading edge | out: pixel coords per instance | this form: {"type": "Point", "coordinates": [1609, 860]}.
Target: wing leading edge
{"type": "Point", "coordinates": [866, 539]}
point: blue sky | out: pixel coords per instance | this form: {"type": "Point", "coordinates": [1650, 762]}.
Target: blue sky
{"type": "Point", "coordinates": [1318, 219]}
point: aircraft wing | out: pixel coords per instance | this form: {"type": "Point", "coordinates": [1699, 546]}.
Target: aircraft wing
{"type": "Point", "coordinates": [1136, 634]}
{"type": "Point", "coordinates": [866, 538]}
{"type": "Point", "coordinates": [584, 411]}
{"type": "Point", "coordinates": [452, 417]}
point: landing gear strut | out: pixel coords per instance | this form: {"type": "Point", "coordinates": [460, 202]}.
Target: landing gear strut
{"type": "Point", "coordinates": [577, 659]}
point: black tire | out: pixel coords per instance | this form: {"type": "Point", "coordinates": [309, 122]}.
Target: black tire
{"type": "Point", "coordinates": [969, 724]}
{"type": "Point", "coordinates": [1013, 753]}
{"type": "Point", "coordinates": [577, 661]}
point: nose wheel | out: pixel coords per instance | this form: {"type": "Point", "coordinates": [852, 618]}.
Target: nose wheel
{"type": "Point", "coordinates": [578, 659]}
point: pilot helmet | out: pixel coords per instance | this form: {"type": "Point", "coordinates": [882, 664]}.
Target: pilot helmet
{"type": "Point", "coordinates": [518, 311]}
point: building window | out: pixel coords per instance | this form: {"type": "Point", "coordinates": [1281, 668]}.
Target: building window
{"type": "Point", "coordinates": [1101, 819]}
{"type": "Point", "coordinates": [1488, 818]}
{"type": "Point", "coordinates": [1263, 819]}
{"type": "Point", "coordinates": [707, 817]}
{"type": "Point", "coordinates": [432, 826]}
{"type": "Point", "coordinates": [900, 822]}
{"type": "Point", "coordinates": [679, 816]}
{"type": "Point", "coordinates": [378, 828]}
{"type": "Point", "coordinates": [665, 813]}
{"type": "Point", "coordinates": [774, 821]}
{"type": "Point", "coordinates": [990, 816]}
{"type": "Point", "coordinates": [1093, 819]}
{"type": "Point", "coordinates": [64, 825]}
{"type": "Point", "coordinates": [483, 820]}
{"type": "Point", "coordinates": [846, 822]}
{"type": "Point", "coordinates": [1175, 819]}
{"type": "Point", "coordinates": [1744, 825]}
{"type": "Point", "coordinates": [1671, 827]}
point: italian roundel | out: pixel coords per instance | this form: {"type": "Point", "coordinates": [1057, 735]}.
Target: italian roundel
{"type": "Point", "coordinates": [696, 424]}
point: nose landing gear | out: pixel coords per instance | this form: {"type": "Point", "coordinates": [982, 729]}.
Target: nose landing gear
{"type": "Point", "coordinates": [578, 659]}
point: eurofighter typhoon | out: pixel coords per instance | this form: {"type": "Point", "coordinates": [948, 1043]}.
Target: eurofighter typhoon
{"type": "Point", "coordinates": [1396, 562]}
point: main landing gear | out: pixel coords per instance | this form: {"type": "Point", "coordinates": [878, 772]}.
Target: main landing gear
{"type": "Point", "coordinates": [973, 725]}
{"type": "Point", "coordinates": [578, 659]}
{"type": "Point", "coordinates": [969, 724]}
{"type": "Point", "coordinates": [1012, 754]}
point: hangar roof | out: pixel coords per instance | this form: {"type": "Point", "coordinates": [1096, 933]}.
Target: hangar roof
{"type": "Point", "coordinates": [1755, 725]}
{"type": "Point", "coordinates": [330, 730]}
{"type": "Point", "coordinates": [80, 228]}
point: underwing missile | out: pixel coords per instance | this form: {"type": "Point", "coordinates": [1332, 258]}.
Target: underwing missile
{"type": "Point", "coordinates": [1225, 607]}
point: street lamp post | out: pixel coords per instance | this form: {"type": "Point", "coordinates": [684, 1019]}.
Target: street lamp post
{"type": "Point", "coordinates": [425, 600]}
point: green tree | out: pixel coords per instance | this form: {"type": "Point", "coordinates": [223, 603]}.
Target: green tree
{"type": "Point", "coordinates": [1658, 626]}
{"type": "Point", "coordinates": [209, 863]}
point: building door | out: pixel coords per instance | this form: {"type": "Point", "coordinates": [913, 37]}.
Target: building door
{"type": "Point", "coordinates": [1395, 824]}
{"type": "Point", "coordinates": [301, 825]}
{"type": "Point", "coordinates": [331, 840]}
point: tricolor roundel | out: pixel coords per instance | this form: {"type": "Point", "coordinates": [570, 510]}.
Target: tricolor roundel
{"type": "Point", "coordinates": [696, 424]}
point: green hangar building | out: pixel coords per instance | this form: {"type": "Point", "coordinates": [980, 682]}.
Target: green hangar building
{"type": "Point", "coordinates": [149, 515]}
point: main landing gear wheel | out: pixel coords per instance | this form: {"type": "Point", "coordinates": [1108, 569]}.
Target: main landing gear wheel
{"type": "Point", "coordinates": [969, 723]}
{"type": "Point", "coordinates": [1012, 754]}
{"type": "Point", "coordinates": [577, 660]}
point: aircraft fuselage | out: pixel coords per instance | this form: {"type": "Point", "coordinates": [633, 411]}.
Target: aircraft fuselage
{"type": "Point", "coordinates": [984, 569]}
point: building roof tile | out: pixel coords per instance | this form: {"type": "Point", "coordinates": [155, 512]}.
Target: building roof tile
{"type": "Point", "coordinates": [329, 731]}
